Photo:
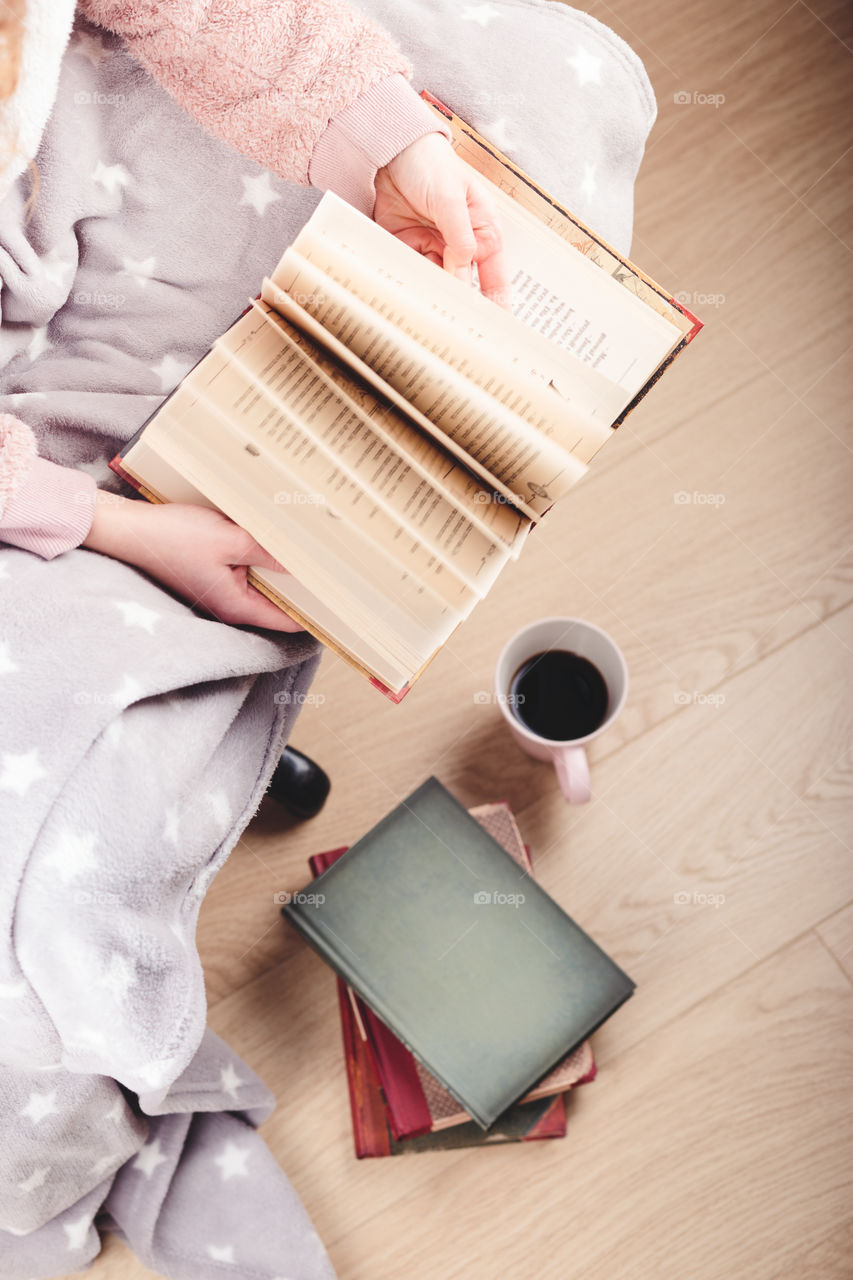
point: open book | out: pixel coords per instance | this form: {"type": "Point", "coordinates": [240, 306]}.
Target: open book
{"type": "Point", "coordinates": [390, 435]}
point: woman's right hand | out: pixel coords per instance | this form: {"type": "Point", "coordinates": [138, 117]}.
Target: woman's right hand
{"type": "Point", "coordinates": [196, 552]}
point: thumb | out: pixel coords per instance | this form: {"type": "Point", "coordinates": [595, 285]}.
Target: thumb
{"type": "Point", "coordinates": [254, 554]}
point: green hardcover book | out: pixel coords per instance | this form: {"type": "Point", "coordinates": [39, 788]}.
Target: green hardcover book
{"type": "Point", "coordinates": [468, 960]}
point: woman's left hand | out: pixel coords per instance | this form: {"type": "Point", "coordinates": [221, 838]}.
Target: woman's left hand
{"type": "Point", "coordinates": [435, 202]}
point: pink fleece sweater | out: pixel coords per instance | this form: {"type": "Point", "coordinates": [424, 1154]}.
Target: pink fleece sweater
{"type": "Point", "coordinates": [310, 89]}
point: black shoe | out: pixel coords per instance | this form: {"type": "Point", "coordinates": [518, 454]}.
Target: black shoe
{"type": "Point", "coordinates": [299, 784]}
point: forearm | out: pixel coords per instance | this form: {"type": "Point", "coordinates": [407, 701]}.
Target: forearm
{"type": "Point", "coordinates": [121, 528]}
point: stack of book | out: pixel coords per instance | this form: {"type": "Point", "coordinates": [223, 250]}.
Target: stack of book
{"type": "Point", "coordinates": [466, 994]}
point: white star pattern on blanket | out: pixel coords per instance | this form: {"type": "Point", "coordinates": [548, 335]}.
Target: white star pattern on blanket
{"type": "Point", "coordinates": [21, 771]}
{"type": "Point", "coordinates": [37, 1179]}
{"type": "Point", "coordinates": [587, 67]}
{"type": "Point", "coordinates": [258, 193]}
{"type": "Point", "coordinates": [588, 186]}
{"type": "Point", "coordinates": [119, 977]}
{"type": "Point", "coordinates": [137, 615]}
{"type": "Point", "coordinates": [139, 269]}
{"type": "Point", "coordinates": [39, 1106]}
{"type": "Point", "coordinates": [39, 343]}
{"type": "Point", "coordinates": [220, 806]}
{"type": "Point", "coordinates": [100, 1167]}
{"type": "Point", "coordinates": [171, 824]}
{"type": "Point", "coordinates": [111, 177]}
{"type": "Point", "coordinates": [89, 46]}
{"type": "Point", "coordinates": [7, 666]}
{"type": "Point", "coordinates": [128, 691]}
{"type": "Point", "coordinates": [54, 268]}
{"type": "Point", "coordinates": [230, 1081]}
{"type": "Point", "coordinates": [221, 1253]}
{"type": "Point", "coordinates": [72, 853]}
{"type": "Point", "coordinates": [170, 370]}
{"type": "Point", "coordinates": [232, 1161]}
{"type": "Point", "coordinates": [116, 1111]}
{"type": "Point", "coordinates": [77, 1231]}
{"type": "Point", "coordinates": [497, 133]}
{"type": "Point", "coordinates": [481, 13]}
{"type": "Point", "coordinates": [148, 1158]}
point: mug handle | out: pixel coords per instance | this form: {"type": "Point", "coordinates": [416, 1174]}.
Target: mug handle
{"type": "Point", "coordinates": [573, 774]}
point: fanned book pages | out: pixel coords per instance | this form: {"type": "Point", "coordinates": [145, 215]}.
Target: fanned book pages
{"type": "Point", "coordinates": [390, 435]}
{"type": "Point", "coordinates": [478, 972]}
{"type": "Point", "coordinates": [416, 1102]}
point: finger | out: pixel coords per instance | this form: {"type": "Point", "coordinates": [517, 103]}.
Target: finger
{"type": "Point", "coordinates": [424, 240]}
{"type": "Point", "coordinates": [453, 219]}
{"type": "Point", "coordinates": [254, 554]}
{"type": "Point", "coordinates": [251, 608]}
{"type": "Point", "coordinates": [493, 272]}
{"type": "Point", "coordinates": [261, 612]}
{"type": "Point", "coordinates": [492, 262]}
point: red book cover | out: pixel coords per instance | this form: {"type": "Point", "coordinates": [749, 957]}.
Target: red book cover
{"type": "Point", "coordinates": [372, 1133]}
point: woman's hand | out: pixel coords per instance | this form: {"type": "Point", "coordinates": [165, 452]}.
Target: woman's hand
{"type": "Point", "coordinates": [198, 553]}
{"type": "Point", "coordinates": [435, 202]}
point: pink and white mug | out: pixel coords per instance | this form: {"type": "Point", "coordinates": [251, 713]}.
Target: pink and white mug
{"type": "Point", "coordinates": [572, 635]}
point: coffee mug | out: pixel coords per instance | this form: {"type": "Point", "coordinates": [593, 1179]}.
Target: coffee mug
{"type": "Point", "coordinates": [571, 635]}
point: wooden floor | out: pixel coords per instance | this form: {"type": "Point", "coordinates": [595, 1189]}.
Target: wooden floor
{"type": "Point", "coordinates": [716, 1142]}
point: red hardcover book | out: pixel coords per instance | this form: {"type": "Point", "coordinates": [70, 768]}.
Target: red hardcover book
{"type": "Point", "coordinates": [417, 1103]}
{"type": "Point", "coordinates": [372, 1132]}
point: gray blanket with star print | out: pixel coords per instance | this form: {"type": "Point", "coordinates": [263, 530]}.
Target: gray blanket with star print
{"type": "Point", "coordinates": [137, 736]}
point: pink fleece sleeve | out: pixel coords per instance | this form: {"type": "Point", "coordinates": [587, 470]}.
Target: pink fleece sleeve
{"type": "Point", "coordinates": [311, 89]}
{"type": "Point", "coordinates": [44, 508]}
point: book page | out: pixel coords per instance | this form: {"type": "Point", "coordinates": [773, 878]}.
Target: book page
{"type": "Point", "coordinates": [469, 333]}
{"type": "Point", "coordinates": [360, 535]}
{"type": "Point", "coordinates": [584, 311]}
{"type": "Point", "coordinates": [282, 403]}
{"type": "Point", "coordinates": [376, 599]}
{"type": "Point", "coordinates": [522, 458]}
{"type": "Point", "coordinates": [166, 484]}
{"type": "Point", "coordinates": [499, 521]}
{"type": "Point", "coordinates": [548, 213]}
{"type": "Point", "coordinates": [280, 301]}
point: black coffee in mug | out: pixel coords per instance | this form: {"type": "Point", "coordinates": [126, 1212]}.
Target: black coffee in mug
{"type": "Point", "coordinates": [559, 695]}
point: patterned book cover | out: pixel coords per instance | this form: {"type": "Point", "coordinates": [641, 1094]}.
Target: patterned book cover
{"type": "Point", "coordinates": [416, 1102]}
